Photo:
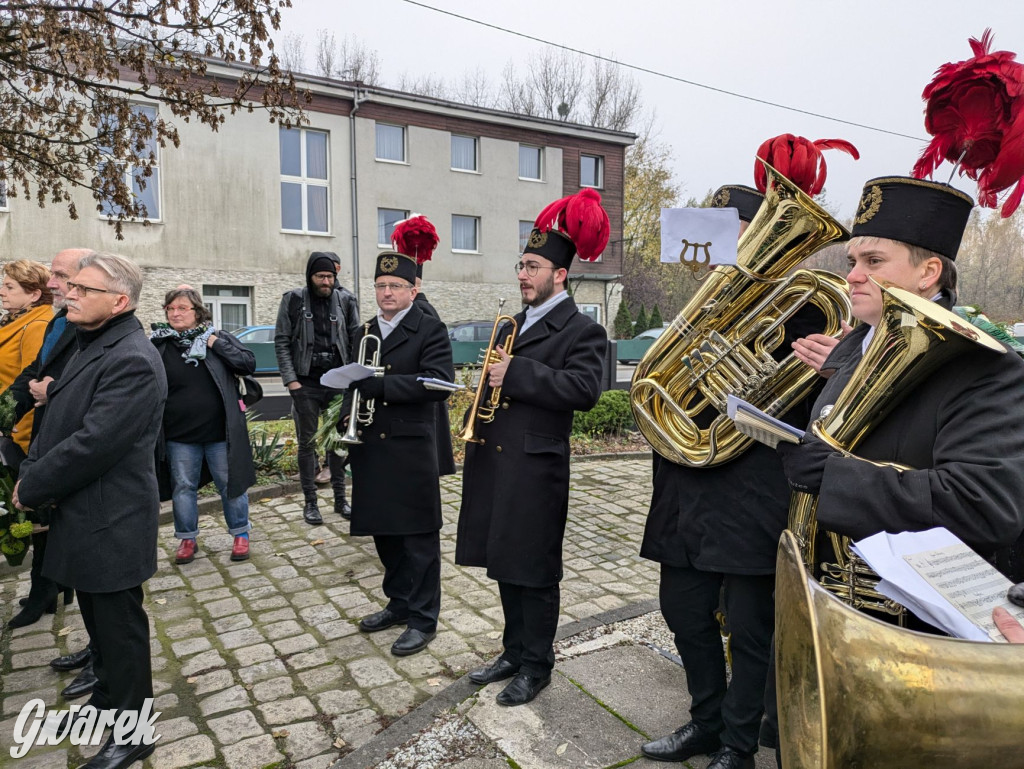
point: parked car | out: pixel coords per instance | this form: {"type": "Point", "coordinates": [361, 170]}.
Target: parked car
{"type": "Point", "coordinates": [470, 331]}
{"type": "Point", "coordinates": [259, 339]}
{"type": "Point", "coordinates": [629, 351]}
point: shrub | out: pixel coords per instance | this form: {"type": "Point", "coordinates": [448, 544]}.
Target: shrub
{"type": "Point", "coordinates": [655, 320]}
{"type": "Point", "coordinates": [270, 452]}
{"type": "Point", "coordinates": [623, 322]}
{"type": "Point", "coordinates": [611, 416]}
{"type": "Point", "coordinates": [642, 324]}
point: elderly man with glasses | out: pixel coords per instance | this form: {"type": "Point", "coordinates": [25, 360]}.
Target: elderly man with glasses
{"type": "Point", "coordinates": [91, 463]}
{"type": "Point", "coordinates": [396, 492]}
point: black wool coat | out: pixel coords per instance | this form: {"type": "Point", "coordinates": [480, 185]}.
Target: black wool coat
{"type": "Point", "coordinates": [93, 458]}
{"type": "Point", "coordinates": [443, 430]}
{"type": "Point", "coordinates": [728, 518]}
{"type": "Point", "coordinates": [962, 432]}
{"type": "Point", "coordinates": [395, 486]}
{"type": "Point", "coordinates": [227, 359]}
{"type": "Point", "coordinates": [515, 485]}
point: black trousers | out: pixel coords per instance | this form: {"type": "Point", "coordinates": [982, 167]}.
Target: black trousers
{"type": "Point", "coordinates": [531, 619]}
{"type": "Point", "coordinates": [119, 636]}
{"type": "Point", "coordinates": [43, 589]}
{"type": "Point", "coordinates": [412, 577]}
{"type": "Point", "coordinates": [307, 404]}
{"type": "Point", "coordinates": [689, 598]}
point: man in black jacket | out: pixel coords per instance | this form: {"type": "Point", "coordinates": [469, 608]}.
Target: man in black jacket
{"type": "Point", "coordinates": [92, 462]}
{"type": "Point", "coordinates": [30, 391]}
{"type": "Point", "coordinates": [396, 493]}
{"type": "Point", "coordinates": [316, 331]}
{"type": "Point", "coordinates": [715, 532]}
{"type": "Point", "coordinates": [515, 488]}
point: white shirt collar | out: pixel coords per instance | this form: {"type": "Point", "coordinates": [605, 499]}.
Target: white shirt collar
{"type": "Point", "coordinates": [387, 326]}
{"type": "Point", "coordinates": [533, 314]}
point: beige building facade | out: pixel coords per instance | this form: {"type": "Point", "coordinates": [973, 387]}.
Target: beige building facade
{"type": "Point", "coordinates": [236, 213]}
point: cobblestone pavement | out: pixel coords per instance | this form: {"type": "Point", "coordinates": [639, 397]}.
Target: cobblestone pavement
{"type": "Point", "coordinates": [261, 663]}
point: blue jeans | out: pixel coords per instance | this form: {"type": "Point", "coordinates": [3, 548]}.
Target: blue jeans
{"type": "Point", "coordinates": [186, 464]}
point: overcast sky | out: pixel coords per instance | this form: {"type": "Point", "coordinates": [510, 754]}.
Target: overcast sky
{"type": "Point", "coordinates": [865, 62]}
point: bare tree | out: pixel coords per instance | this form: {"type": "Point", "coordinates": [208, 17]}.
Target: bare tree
{"type": "Point", "coordinates": [475, 89]}
{"type": "Point", "coordinates": [326, 53]}
{"type": "Point", "coordinates": [613, 99]}
{"type": "Point", "coordinates": [426, 85]}
{"type": "Point", "coordinates": [70, 74]}
{"type": "Point", "coordinates": [358, 63]}
{"type": "Point", "coordinates": [293, 53]}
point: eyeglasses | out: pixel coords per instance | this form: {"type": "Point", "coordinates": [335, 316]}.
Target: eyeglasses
{"type": "Point", "coordinates": [179, 310]}
{"type": "Point", "coordinates": [394, 288]}
{"type": "Point", "coordinates": [531, 268]}
{"type": "Point", "coordinates": [86, 290]}
{"type": "Point", "coordinates": [323, 277]}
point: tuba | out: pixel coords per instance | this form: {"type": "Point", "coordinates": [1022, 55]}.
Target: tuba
{"type": "Point", "coordinates": [721, 343]}
{"type": "Point", "coordinates": [484, 405]}
{"type": "Point", "coordinates": [914, 337]}
{"type": "Point", "coordinates": [854, 691]}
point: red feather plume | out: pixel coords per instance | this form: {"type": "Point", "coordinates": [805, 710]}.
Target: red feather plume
{"type": "Point", "coordinates": [975, 115]}
{"type": "Point", "coordinates": [799, 160]}
{"type": "Point", "coordinates": [582, 218]}
{"type": "Point", "coordinates": [415, 237]}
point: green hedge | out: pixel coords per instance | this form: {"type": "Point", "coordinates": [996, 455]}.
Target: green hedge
{"type": "Point", "coordinates": [611, 416]}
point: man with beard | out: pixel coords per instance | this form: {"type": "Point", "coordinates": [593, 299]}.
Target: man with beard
{"type": "Point", "coordinates": [316, 331]}
{"type": "Point", "coordinates": [515, 488]}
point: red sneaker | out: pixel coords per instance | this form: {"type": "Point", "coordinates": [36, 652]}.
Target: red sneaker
{"type": "Point", "coordinates": [240, 552]}
{"type": "Point", "coordinates": [186, 551]}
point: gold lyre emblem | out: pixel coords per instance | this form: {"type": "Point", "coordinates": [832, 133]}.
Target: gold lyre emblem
{"type": "Point", "coordinates": [696, 263]}
{"type": "Point", "coordinates": [869, 204]}
{"type": "Point", "coordinates": [388, 264]}
{"type": "Point", "coordinates": [538, 239]}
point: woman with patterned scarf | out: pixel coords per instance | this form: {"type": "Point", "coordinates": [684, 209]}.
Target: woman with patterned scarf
{"type": "Point", "coordinates": [204, 420]}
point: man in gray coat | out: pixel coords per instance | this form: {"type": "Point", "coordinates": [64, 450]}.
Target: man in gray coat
{"type": "Point", "coordinates": [92, 464]}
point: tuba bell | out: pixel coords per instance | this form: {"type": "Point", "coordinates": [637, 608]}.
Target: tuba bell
{"type": "Point", "coordinates": [914, 337]}
{"type": "Point", "coordinates": [854, 691]}
{"type": "Point", "coordinates": [721, 343]}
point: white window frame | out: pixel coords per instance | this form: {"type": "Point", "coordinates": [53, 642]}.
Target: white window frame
{"type": "Point", "coordinates": [587, 308]}
{"type": "Point", "coordinates": [405, 215]}
{"type": "Point", "coordinates": [476, 154]}
{"type": "Point", "coordinates": [600, 171]}
{"type": "Point", "coordinates": [128, 170]}
{"type": "Point", "coordinates": [540, 163]}
{"type": "Point", "coordinates": [216, 303]}
{"type": "Point", "coordinates": [405, 144]}
{"type": "Point", "coordinates": [523, 241]}
{"type": "Point", "coordinates": [305, 182]}
{"type": "Point", "coordinates": [476, 226]}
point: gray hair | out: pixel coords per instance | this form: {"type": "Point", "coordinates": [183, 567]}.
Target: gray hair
{"type": "Point", "coordinates": [124, 276]}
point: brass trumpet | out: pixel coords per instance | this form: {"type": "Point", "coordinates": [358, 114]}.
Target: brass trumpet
{"type": "Point", "coordinates": [483, 409]}
{"type": "Point", "coordinates": [362, 409]}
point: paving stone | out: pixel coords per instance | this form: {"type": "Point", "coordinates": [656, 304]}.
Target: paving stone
{"type": "Point", "coordinates": [317, 615]}
{"type": "Point", "coordinates": [306, 739]}
{"type": "Point", "coordinates": [224, 607]}
{"type": "Point", "coordinates": [322, 677]}
{"type": "Point", "coordinates": [237, 638]}
{"type": "Point", "coordinates": [187, 752]}
{"type": "Point", "coordinates": [34, 641]}
{"type": "Point", "coordinates": [186, 629]}
{"type": "Point", "coordinates": [230, 623]}
{"type": "Point", "coordinates": [283, 711]}
{"type": "Point", "coordinates": [175, 728]}
{"type": "Point", "coordinates": [229, 699]}
{"type": "Point", "coordinates": [238, 726]}
{"type": "Point", "coordinates": [15, 702]}
{"type": "Point", "coordinates": [166, 702]}
{"type": "Point", "coordinates": [337, 701]}
{"type": "Point", "coordinates": [51, 759]}
{"type": "Point", "coordinates": [252, 753]}
{"type": "Point", "coordinates": [159, 584]}
{"type": "Point", "coordinates": [278, 615]}
{"type": "Point", "coordinates": [250, 655]}
{"type": "Point", "coordinates": [294, 644]}
{"type": "Point", "coordinates": [371, 672]}
{"type": "Point", "coordinates": [283, 629]}
{"type": "Point", "coordinates": [261, 671]}
{"type": "Point", "coordinates": [205, 581]}
{"type": "Point", "coordinates": [309, 659]}
{"type": "Point", "coordinates": [202, 662]}
{"type": "Point", "coordinates": [33, 659]}
{"type": "Point", "coordinates": [358, 727]}
{"type": "Point", "coordinates": [190, 646]}
{"type": "Point", "coordinates": [213, 682]}
{"type": "Point", "coordinates": [325, 760]}
{"type": "Point", "coordinates": [397, 699]}
{"type": "Point", "coordinates": [274, 689]}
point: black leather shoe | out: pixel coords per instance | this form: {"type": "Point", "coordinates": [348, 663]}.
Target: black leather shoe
{"type": "Point", "coordinates": [311, 513]}
{"type": "Point", "coordinates": [683, 743]}
{"type": "Point", "coordinates": [380, 620]}
{"type": "Point", "coordinates": [83, 684]}
{"type": "Point", "coordinates": [523, 689]}
{"type": "Point", "coordinates": [343, 508]}
{"type": "Point", "coordinates": [499, 671]}
{"type": "Point", "coordinates": [72, 661]}
{"type": "Point", "coordinates": [728, 758]}
{"type": "Point", "coordinates": [114, 756]}
{"type": "Point", "coordinates": [411, 641]}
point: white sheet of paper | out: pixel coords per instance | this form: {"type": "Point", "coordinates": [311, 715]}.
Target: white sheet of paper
{"type": "Point", "coordinates": [340, 378]}
{"type": "Point", "coordinates": [710, 235]}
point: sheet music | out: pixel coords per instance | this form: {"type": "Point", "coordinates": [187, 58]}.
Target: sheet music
{"type": "Point", "coordinates": [755, 423]}
{"type": "Point", "coordinates": [440, 384]}
{"type": "Point", "coordinates": [343, 376]}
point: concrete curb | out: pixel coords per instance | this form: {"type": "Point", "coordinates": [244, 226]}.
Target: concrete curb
{"type": "Point", "coordinates": [419, 718]}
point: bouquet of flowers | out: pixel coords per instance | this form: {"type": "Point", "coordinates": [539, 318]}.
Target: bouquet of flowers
{"type": "Point", "coordinates": [14, 528]}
